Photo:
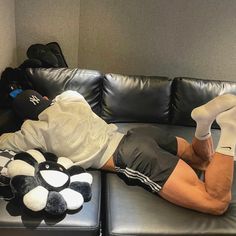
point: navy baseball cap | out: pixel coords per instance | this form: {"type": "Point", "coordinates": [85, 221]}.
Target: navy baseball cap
{"type": "Point", "coordinates": [29, 104]}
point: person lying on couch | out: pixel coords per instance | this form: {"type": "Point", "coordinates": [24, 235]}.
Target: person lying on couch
{"type": "Point", "coordinates": [160, 162]}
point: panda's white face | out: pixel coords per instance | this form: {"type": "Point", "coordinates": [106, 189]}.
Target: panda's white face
{"type": "Point", "coordinates": [53, 174]}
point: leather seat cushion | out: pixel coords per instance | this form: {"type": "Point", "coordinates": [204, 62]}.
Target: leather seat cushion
{"type": "Point", "coordinates": [131, 210]}
{"type": "Point", "coordinates": [16, 220]}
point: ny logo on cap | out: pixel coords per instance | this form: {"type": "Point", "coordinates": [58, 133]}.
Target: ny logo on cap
{"type": "Point", "coordinates": [34, 100]}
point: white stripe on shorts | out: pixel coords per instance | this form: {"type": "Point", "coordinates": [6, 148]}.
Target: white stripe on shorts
{"type": "Point", "coordinates": [133, 174]}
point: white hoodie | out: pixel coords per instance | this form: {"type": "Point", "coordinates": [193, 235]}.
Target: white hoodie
{"type": "Point", "coordinates": [68, 128]}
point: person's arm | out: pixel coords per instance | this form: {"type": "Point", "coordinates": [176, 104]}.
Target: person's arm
{"type": "Point", "coordinates": [21, 140]}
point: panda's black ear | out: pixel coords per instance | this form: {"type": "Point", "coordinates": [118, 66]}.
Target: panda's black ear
{"type": "Point", "coordinates": [26, 157]}
{"type": "Point", "coordinates": [74, 170]}
{"type": "Point", "coordinates": [50, 156]}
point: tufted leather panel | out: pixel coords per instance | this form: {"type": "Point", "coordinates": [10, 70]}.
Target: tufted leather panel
{"type": "Point", "coordinates": [136, 98]}
{"type": "Point", "coordinates": [53, 81]}
{"type": "Point", "coordinates": [131, 210]}
{"type": "Point", "coordinates": [15, 220]}
{"type": "Point", "coordinates": [188, 93]}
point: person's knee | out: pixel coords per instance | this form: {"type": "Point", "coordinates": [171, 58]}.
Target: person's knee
{"type": "Point", "coordinates": [219, 207]}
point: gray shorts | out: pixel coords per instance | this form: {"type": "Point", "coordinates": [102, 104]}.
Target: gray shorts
{"type": "Point", "coordinates": [146, 156]}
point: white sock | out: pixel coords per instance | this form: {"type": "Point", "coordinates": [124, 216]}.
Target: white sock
{"type": "Point", "coordinates": [227, 123]}
{"type": "Point", "coordinates": [206, 114]}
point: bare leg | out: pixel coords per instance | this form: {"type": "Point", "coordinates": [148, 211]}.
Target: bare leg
{"type": "Point", "coordinates": [184, 188]}
{"type": "Point", "coordinates": [212, 196]}
{"type": "Point", "coordinates": [198, 154]}
{"type": "Point", "coordinates": [109, 165]}
{"type": "Point", "coordinates": [203, 148]}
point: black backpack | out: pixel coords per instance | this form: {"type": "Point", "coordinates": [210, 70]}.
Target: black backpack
{"type": "Point", "coordinates": [44, 55]}
{"type": "Point", "coordinates": [47, 56]}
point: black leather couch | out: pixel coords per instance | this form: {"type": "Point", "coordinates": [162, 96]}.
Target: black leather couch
{"type": "Point", "coordinates": [116, 207]}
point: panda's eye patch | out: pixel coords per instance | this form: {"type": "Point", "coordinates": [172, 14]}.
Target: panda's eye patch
{"type": "Point", "coordinates": [47, 166]}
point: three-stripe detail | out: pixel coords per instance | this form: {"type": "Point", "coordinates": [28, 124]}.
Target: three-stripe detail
{"type": "Point", "coordinates": [133, 174]}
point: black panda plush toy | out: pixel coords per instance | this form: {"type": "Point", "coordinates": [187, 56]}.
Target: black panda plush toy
{"type": "Point", "coordinates": [46, 182]}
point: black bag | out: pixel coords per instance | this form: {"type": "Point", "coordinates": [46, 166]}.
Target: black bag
{"type": "Point", "coordinates": [48, 55]}
{"type": "Point", "coordinates": [15, 79]}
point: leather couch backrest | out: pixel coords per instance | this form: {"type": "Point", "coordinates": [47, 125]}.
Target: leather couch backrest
{"type": "Point", "coordinates": [136, 98]}
{"type": "Point", "coordinates": [120, 98]}
{"type": "Point", "coordinates": [188, 93]}
{"type": "Point", "coordinates": [53, 81]}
